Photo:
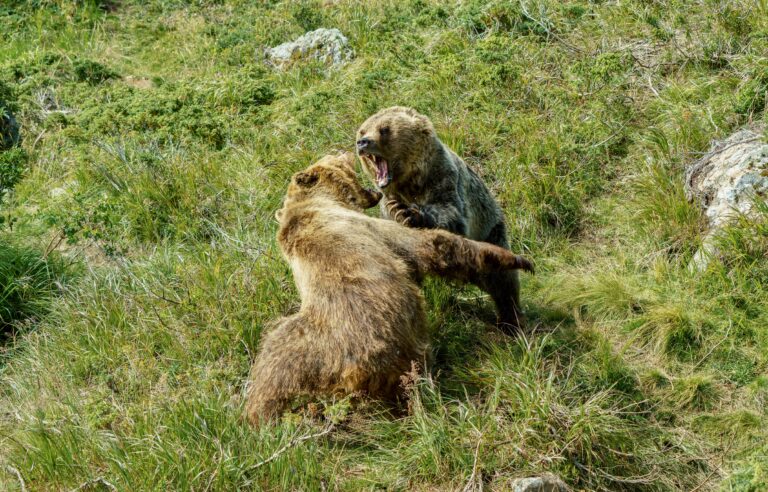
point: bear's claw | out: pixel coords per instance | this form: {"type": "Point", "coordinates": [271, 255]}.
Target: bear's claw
{"type": "Point", "coordinates": [407, 215]}
{"type": "Point", "coordinates": [525, 264]}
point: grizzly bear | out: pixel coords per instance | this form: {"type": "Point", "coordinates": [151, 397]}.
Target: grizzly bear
{"type": "Point", "coordinates": [362, 319]}
{"type": "Point", "coordinates": [426, 185]}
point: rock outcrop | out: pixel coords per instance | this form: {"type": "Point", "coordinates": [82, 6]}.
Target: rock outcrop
{"type": "Point", "coordinates": [329, 46]}
{"type": "Point", "coordinates": [726, 182]}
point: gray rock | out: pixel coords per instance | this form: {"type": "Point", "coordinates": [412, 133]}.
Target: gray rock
{"type": "Point", "coordinates": [9, 129]}
{"type": "Point", "coordinates": [57, 192]}
{"type": "Point", "coordinates": [726, 180]}
{"type": "Point", "coordinates": [327, 45]}
{"type": "Point", "coordinates": [543, 483]}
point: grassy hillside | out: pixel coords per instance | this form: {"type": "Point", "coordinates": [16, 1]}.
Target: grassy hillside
{"type": "Point", "coordinates": [157, 145]}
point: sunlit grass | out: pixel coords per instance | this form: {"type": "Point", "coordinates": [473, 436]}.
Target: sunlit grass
{"type": "Point", "coordinates": [157, 143]}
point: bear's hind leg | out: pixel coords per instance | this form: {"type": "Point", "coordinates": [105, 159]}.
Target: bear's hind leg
{"type": "Point", "coordinates": [284, 369]}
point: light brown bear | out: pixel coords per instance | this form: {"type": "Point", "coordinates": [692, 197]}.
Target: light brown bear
{"type": "Point", "coordinates": [362, 319]}
{"type": "Point", "coordinates": [426, 185]}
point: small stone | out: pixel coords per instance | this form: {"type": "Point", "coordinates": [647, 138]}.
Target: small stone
{"type": "Point", "coordinates": [138, 82]}
{"type": "Point", "coordinates": [57, 192]}
{"type": "Point", "coordinates": [329, 46]}
{"type": "Point", "coordinates": [543, 483]}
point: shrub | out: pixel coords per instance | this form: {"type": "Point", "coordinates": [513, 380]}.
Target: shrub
{"type": "Point", "coordinates": [13, 164]}
{"type": "Point", "coordinates": [92, 72]}
{"type": "Point", "coordinates": [28, 281]}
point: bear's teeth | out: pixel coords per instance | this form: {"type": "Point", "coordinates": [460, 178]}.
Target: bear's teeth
{"type": "Point", "coordinates": [382, 172]}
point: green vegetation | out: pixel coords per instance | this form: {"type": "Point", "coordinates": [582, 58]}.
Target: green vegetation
{"type": "Point", "coordinates": [158, 144]}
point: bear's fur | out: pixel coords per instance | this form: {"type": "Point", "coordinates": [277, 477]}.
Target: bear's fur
{"type": "Point", "coordinates": [362, 318]}
{"type": "Point", "coordinates": [426, 185]}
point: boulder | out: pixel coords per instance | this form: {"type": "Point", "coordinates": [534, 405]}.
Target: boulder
{"type": "Point", "coordinates": [726, 180]}
{"type": "Point", "coordinates": [329, 46]}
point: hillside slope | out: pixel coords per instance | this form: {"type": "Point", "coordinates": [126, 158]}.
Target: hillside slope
{"type": "Point", "coordinates": [157, 144]}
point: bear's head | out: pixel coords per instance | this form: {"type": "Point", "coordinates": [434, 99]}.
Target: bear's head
{"type": "Point", "coordinates": [393, 143]}
{"type": "Point", "coordinates": [332, 177]}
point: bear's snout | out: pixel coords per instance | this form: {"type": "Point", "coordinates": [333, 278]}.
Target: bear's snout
{"type": "Point", "coordinates": [364, 143]}
{"type": "Point", "coordinates": [374, 197]}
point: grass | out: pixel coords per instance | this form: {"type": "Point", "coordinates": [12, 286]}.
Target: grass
{"type": "Point", "coordinates": [157, 144]}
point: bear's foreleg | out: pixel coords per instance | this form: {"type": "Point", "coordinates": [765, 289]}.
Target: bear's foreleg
{"type": "Point", "coordinates": [457, 258]}
{"type": "Point", "coordinates": [490, 267]}
{"type": "Point", "coordinates": [432, 216]}
{"type": "Point", "coordinates": [504, 289]}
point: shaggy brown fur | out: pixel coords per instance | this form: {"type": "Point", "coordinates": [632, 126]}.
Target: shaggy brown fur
{"type": "Point", "coordinates": [426, 185]}
{"type": "Point", "coordinates": [362, 318]}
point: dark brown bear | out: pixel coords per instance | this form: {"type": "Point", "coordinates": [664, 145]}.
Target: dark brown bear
{"type": "Point", "coordinates": [426, 185]}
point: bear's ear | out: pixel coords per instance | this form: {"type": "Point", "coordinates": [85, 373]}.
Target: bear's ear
{"type": "Point", "coordinates": [347, 160]}
{"type": "Point", "coordinates": [305, 179]}
{"type": "Point", "coordinates": [424, 124]}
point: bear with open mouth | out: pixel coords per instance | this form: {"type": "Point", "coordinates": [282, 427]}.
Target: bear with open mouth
{"type": "Point", "coordinates": [426, 185]}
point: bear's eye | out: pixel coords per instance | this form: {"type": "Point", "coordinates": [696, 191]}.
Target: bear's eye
{"type": "Point", "coordinates": [384, 130]}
